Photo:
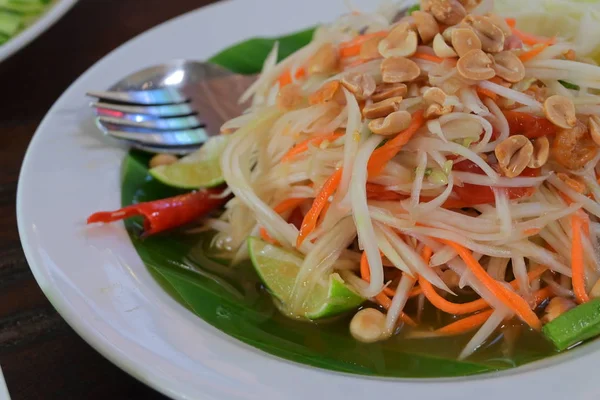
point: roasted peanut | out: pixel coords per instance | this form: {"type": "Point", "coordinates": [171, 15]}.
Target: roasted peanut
{"type": "Point", "coordinates": [434, 95]}
{"type": "Point", "coordinates": [508, 66]}
{"type": "Point", "coordinates": [441, 48]}
{"type": "Point", "coordinates": [383, 108]}
{"type": "Point", "coordinates": [435, 98]}
{"type": "Point", "coordinates": [541, 151]}
{"type": "Point", "coordinates": [573, 148]}
{"type": "Point", "coordinates": [392, 124]}
{"type": "Point", "coordinates": [369, 50]}
{"type": "Point", "coordinates": [427, 26]}
{"type": "Point", "coordinates": [324, 61]}
{"type": "Point", "coordinates": [492, 38]}
{"type": "Point", "coordinates": [476, 65]}
{"type": "Point", "coordinates": [402, 41]}
{"type": "Point", "coordinates": [361, 85]}
{"type": "Point", "coordinates": [436, 110]}
{"type": "Point", "coordinates": [368, 325]}
{"type": "Point", "coordinates": [447, 12]}
{"type": "Point", "coordinates": [469, 5]}
{"type": "Point", "coordinates": [465, 40]}
{"type": "Point", "coordinates": [388, 90]}
{"type": "Point", "coordinates": [560, 110]}
{"type": "Point", "coordinates": [399, 70]}
{"type": "Point", "coordinates": [513, 155]}
{"type": "Point", "coordinates": [500, 22]}
{"type": "Point", "coordinates": [594, 127]}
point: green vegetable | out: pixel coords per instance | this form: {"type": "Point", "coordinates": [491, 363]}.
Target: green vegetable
{"type": "Point", "coordinates": [438, 177]}
{"type": "Point", "coordinates": [278, 269]}
{"type": "Point", "coordinates": [569, 85]}
{"type": "Point", "coordinates": [16, 15]}
{"type": "Point", "coordinates": [200, 169]}
{"type": "Point", "coordinates": [574, 326]}
{"type": "Point", "coordinates": [248, 57]}
{"type": "Point", "coordinates": [9, 23]}
{"type": "Point", "coordinates": [448, 167]}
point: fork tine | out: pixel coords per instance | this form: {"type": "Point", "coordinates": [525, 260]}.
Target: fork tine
{"type": "Point", "coordinates": [166, 124]}
{"type": "Point", "coordinates": [189, 137]}
{"type": "Point", "coordinates": [175, 110]}
{"type": "Point", "coordinates": [175, 150]}
{"type": "Point", "coordinates": [142, 97]}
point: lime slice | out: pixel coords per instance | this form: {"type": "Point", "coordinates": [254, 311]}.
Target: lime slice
{"type": "Point", "coordinates": [278, 269]}
{"type": "Point", "coordinates": [201, 169]}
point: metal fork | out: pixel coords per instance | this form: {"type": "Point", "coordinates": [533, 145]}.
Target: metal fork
{"type": "Point", "coordinates": [170, 108]}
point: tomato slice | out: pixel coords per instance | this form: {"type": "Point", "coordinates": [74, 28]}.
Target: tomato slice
{"type": "Point", "coordinates": [529, 125]}
{"type": "Point", "coordinates": [471, 195]}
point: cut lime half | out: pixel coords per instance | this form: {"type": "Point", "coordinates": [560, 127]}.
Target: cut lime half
{"type": "Point", "coordinates": [201, 169]}
{"type": "Point", "coordinates": [278, 269]}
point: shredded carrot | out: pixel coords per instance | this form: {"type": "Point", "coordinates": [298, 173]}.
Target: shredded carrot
{"type": "Point", "coordinates": [441, 303]}
{"type": "Point", "coordinates": [543, 294]}
{"type": "Point", "coordinates": [426, 254]}
{"type": "Point", "coordinates": [414, 292]}
{"type": "Point", "coordinates": [577, 264]}
{"type": "Point", "coordinates": [529, 55]}
{"type": "Point", "coordinates": [303, 146]}
{"type": "Point", "coordinates": [264, 235]}
{"type": "Point", "coordinates": [506, 296]}
{"type": "Point", "coordinates": [386, 303]}
{"type": "Point", "coordinates": [352, 47]}
{"type": "Point", "coordinates": [428, 57]}
{"type": "Point", "coordinates": [310, 219]}
{"type": "Point", "coordinates": [511, 22]}
{"type": "Point", "coordinates": [466, 324]}
{"type": "Point", "coordinates": [286, 205]}
{"type": "Point", "coordinates": [530, 39]}
{"type": "Point", "coordinates": [365, 274]}
{"type": "Point", "coordinates": [286, 78]}
{"type": "Point", "coordinates": [449, 307]}
{"type": "Point", "coordinates": [531, 231]}
{"type": "Point", "coordinates": [385, 153]}
{"type": "Point", "coordinates": [487, 93]}
{"type": "Point", "coordinates": [475, 321]}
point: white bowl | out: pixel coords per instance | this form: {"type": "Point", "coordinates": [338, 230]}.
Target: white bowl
{"type": "Point", "coordinates": [98, 283]}
{"type": "Point", "coordinates": [53, 14]}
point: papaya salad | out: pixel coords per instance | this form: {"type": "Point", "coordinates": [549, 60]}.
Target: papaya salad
{"type": "Point", "coordinates": [432, 156]}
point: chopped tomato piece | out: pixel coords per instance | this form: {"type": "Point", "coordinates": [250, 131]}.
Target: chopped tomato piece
{"type": "Point", "coordinates": [529, 125]}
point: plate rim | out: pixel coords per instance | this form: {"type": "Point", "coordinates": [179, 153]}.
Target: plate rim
{"type": "Point", "coordinates": [123, 363]}
{"type": "Point", "coordinates": [41, 25]}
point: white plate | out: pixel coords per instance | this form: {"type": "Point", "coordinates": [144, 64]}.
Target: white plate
{"type": "Point", "coordinates": [53, 14]}
{"type": "Point", "coordinates": [98, 283]}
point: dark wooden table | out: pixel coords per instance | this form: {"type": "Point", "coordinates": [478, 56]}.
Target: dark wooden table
{"type": "Point", "coordinates": [41, 356]}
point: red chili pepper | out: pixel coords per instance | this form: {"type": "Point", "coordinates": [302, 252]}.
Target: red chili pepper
{"type": "Point", "coordinates": [471, 195]}
{"type": "Point", "coordinates": [169, 213]}
{"type": "Point", "coordinates": [529, 125]}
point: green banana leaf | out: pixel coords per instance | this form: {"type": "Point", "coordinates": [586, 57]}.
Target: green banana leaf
{"type": "Point", "coordinates": [233, 300]}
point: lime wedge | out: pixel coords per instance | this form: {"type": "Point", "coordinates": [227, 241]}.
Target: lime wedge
{"type": "Point", "coordinates": [278, 269]}
{"type": "Point", "coordinates": [201, 169]}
